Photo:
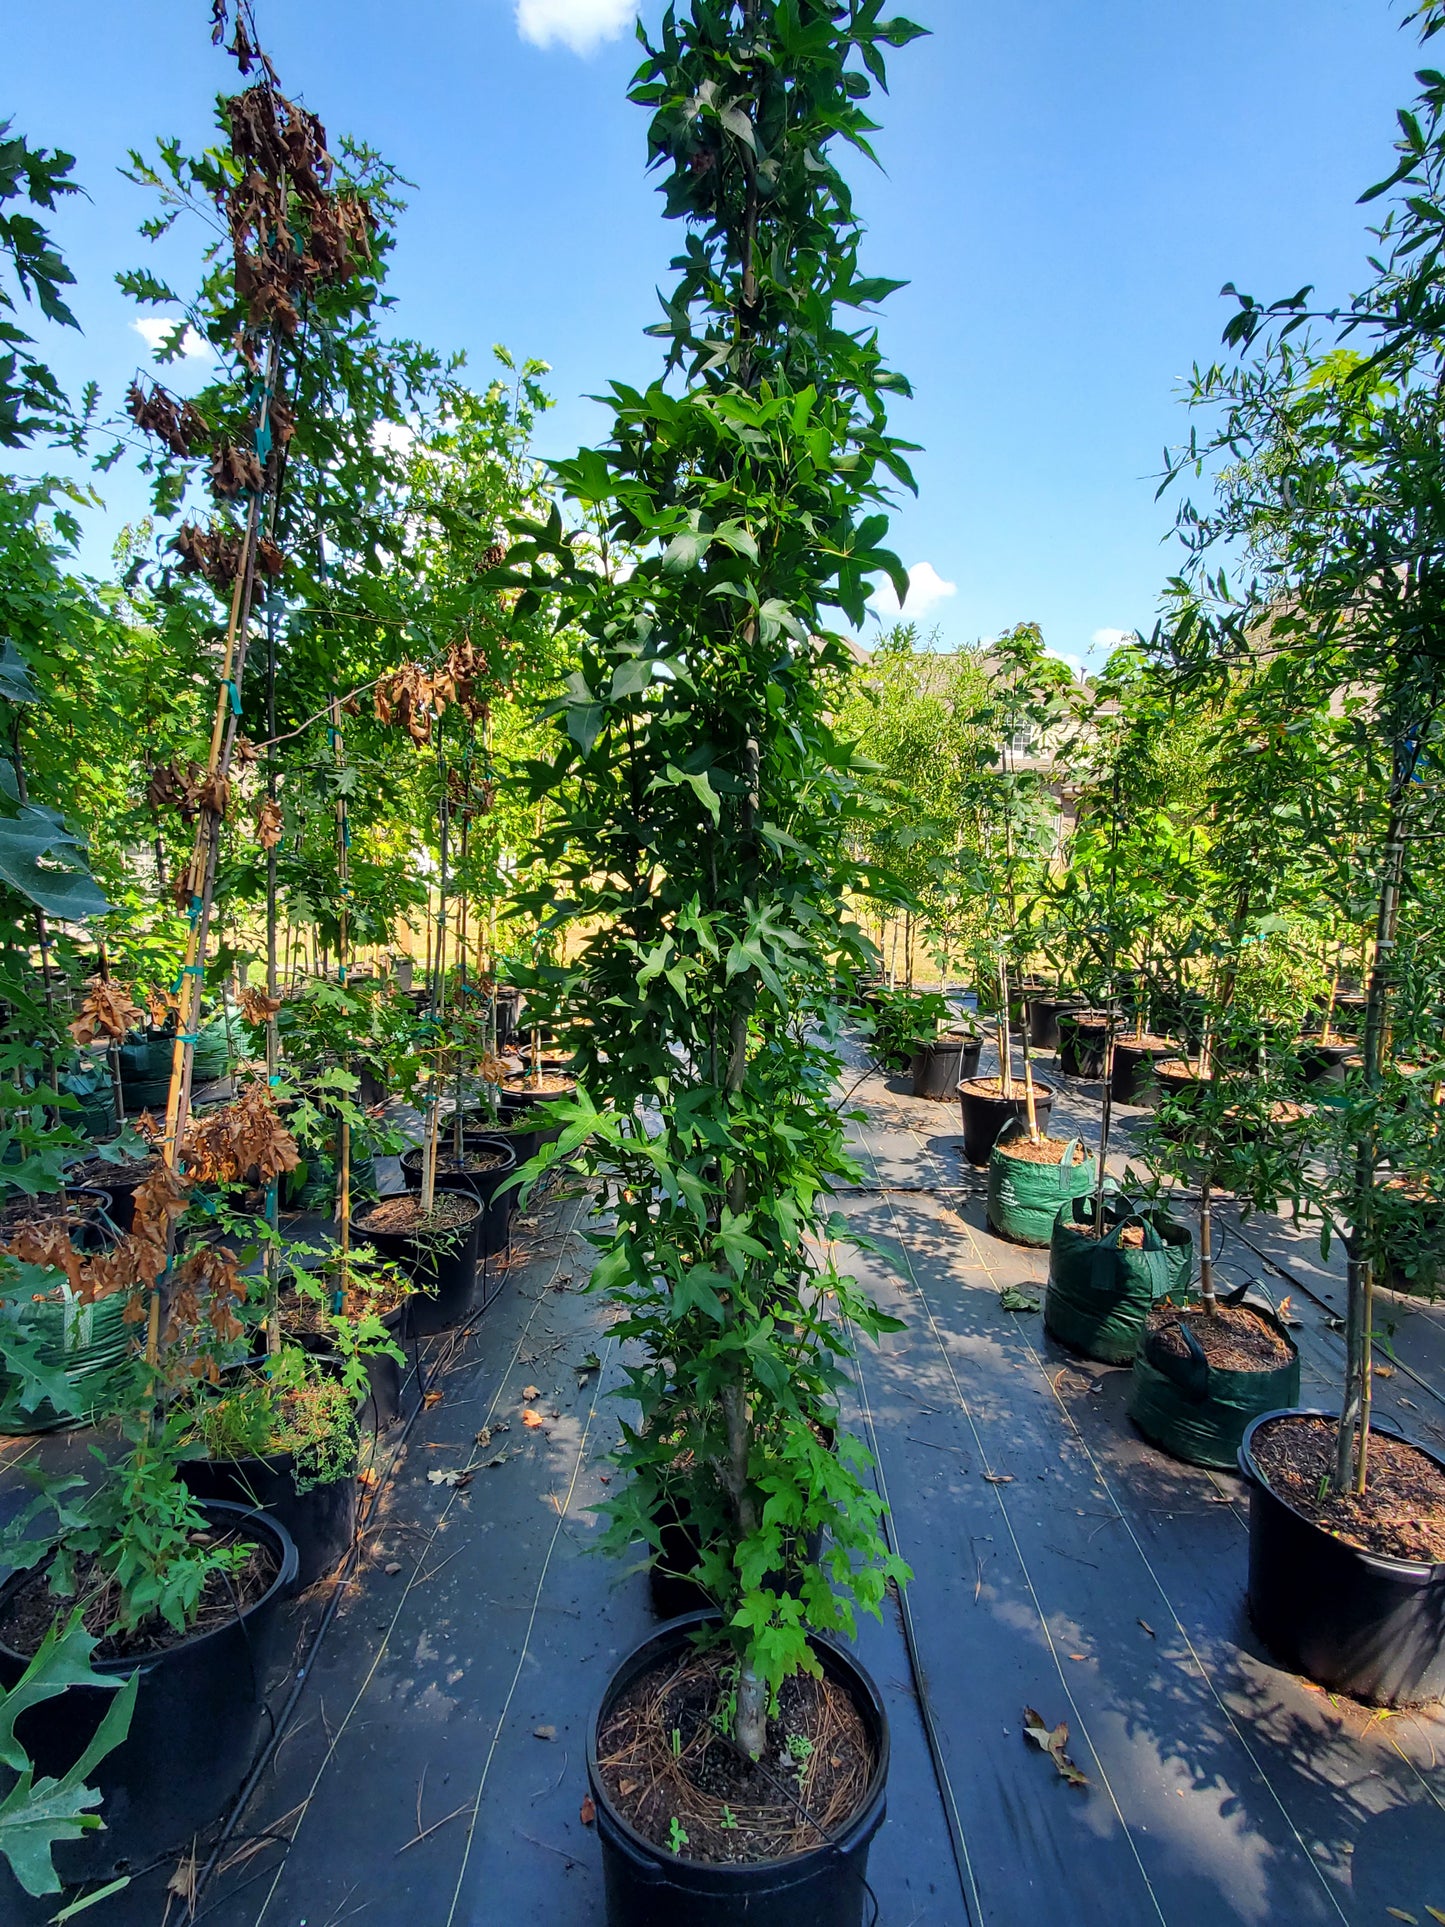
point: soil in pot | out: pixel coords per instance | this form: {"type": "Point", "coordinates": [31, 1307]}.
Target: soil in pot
{"type": "Point", "coordinates": [403, 1217]}
{"type": "Point", "coordinates": [538, 1086]}
{"type": "Point", "coordinates": [28, 1611]}
{"type": "Point", "coordinates": [1234, 1338]}
{"type": "Point", "coordinates": [1402, 1512]}
{"type": "Point", "coordinates": [473, 1163]}
{"type": "Point", "coordinates": [663, 1761]}
{"type": "Point", "coordinates": [77, 1210]}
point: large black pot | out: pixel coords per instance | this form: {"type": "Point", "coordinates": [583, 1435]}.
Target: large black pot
{"type": "Point", "coordinates": [193, 1734]}
{"type": "Point", "coordinates": [1044, 1013]}
{"type": "Point", "coordinates": [1131, 1077]}
{"type": "Point", "coordinates": [321, 1522]}
{"type": "Point", "coordinates": [120, 1181]}
{"type": "Point", "coordinates": [985, 1114]}
{"type": "Point", "coordinates": [1083, 1042]}
{"type": "Point", "coordinates": [444, 1269]}
{"type": "Point", "coordinates": [384, 1374]}
{"type": "Point", "coordinates": [1352, 1621]}
{"type": "Point", "coordinates": [1325, 1063]}
{"type": "Point", "coordinates": [478, 1184]}
{"type": "Point", "coordinates": [648, 1886]}
{"type": "Point", "coordinates": [941, 1065]}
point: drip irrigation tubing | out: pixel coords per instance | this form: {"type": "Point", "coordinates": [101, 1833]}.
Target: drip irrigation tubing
{"type": "Point", "coordinates": [280, 1722]}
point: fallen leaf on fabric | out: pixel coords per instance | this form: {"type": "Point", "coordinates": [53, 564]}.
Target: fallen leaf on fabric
{"type": "Point", "coordinates": [1012, 1299]}
{"type": "Point", "coordinates": [544, 1732]}
{"type": "Point", "coordinates": [587, 1812]}
{"type": "Point", "coordinates": [1148, 1628]}
{"type": "Point", "coordinates": [497, 1458]}
{"type": "Point", "coordinates": [449, 1476]}
{"type": "Point", "coordinates": [998, 1478]}
{"type": "Point", "coordinates": [1435, 1914]}
{"type": "Point", "coordinates": [393, 1569]}
{"type": "Point", "coordinates": [368, 1475]}
{"type": "Point", "coordinates": [1078, 1655]}
{"type": "Point", "coordinates": [530, 1392]}
{"type": "Point", "coordinates": [1398, 1913]}
{"type": "Point", "coordinates": [433, 1398]}
{"type": "Point", "coordinates": [1052, 1740]}
{"type": "Point", "coordinates": [532, 1419]}
{"type": "Point", "coordinates": [489, 1432]}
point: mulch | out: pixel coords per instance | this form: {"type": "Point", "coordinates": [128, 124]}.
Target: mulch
{"type": "Point", "coordinates": [1402, 1513]}
{"type": "Point", "coordinates": [664, 1759]}
{"type": "Point", "coordinates": [32, 1608]}
{"type": "Point", "coordinates": [402, 1216]}
{"type": "Point", "coordinates": [1233, 1338]}
{"type": "Point", "coordinates": [1048, 1150]}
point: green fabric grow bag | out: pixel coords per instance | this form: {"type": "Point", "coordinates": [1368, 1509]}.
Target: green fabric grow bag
{"type": "Point", "coordinates": [145, 1066]}
{"type": "Point", "coordinates": [1024, 1199]}
{"type": "Point", "coordinates": [1199, 1412]}
{"type": "Point", "coordinates": [91, 1344]}
{"type": "Point", "coordinates": [1099, 1293]}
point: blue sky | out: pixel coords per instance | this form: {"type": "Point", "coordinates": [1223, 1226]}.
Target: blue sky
{"type": "Point", "coordinates": [1068, 183]}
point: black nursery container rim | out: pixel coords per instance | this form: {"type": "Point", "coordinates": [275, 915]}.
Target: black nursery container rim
{"type": "Point", "coordinates": [1423, 1569]}
{"type": "Point", "coordinates": [742, 1872]}
{"type": "Point", "coordinates": [285, 1577]}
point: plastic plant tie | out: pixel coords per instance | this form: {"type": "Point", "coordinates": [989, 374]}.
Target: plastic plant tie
{"type": "Point", "coordinates": [235, 696]}
{"type": "Point", "coordinates": [188, 1037]}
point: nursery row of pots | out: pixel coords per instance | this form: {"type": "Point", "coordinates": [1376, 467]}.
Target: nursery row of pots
{"type": "Point", "coordinates": [1208, 1384]}
{"type": "Point", "coordinates": [200, 1706]}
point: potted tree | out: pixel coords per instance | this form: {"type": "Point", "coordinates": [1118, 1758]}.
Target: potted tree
{"type": "Point", "coordinates": [703, 804]}
{"type": "Point", "coordinates": [1335, 486]}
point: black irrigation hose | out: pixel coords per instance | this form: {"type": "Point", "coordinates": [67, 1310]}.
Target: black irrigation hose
{"type": "Point", "coordinates": [282, 1720]}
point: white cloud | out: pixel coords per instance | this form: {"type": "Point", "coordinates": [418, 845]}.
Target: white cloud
{"type": "Point", "coordinates": [1112, 638]}
{"type": "Point", "coordinates": [155, 329]}
{"type": "Point", "coordinates": [395, 435]}
{"type": "Point", "coordinates": [581, 25]}
{"type": "Point", "coordinates": [925, 587]}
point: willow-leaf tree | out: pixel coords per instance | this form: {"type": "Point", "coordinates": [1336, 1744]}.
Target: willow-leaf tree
{"type": "Point", "coordinates": [1330, 483]}
{"type": "Point", "coordinates": [707, 810]}
{"type": "Point", "coordinates": [1028, 700]}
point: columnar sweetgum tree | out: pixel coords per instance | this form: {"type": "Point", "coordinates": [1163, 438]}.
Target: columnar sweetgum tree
{"type": "Point", "coordinates": [706, 810]}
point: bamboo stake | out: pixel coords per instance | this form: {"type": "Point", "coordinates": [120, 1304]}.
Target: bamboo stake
{"type": "Point", "coordinates": [343, 872]}
{"type": "Point", "coordinates": [1005, 1052]}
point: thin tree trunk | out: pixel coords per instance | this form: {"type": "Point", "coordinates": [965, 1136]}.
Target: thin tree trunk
{"type": "Point", "coordinates": [1352, 1453]}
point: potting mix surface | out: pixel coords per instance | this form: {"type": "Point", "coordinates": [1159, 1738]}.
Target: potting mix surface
{"type": "Point", "coordinates": [1046, 1150]}
{"type": "Point", "coordinates": [1066, 1575]}
{"type": "Point", "coordinates": [1232, 1337]}
{"type": "Point", "coordinates": [1402, 1512]}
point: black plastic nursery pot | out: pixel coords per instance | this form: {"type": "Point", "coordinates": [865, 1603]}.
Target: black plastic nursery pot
{"type": "Point", "coordinates": [321, 1523]}
{"type": "Point", "coordinates": [1131, 1078]}
{"type": "Point", "coordinates": [1100, 1291]}
{"type": "Point", "coordinates": [1199, 1412]}
{"type": "Point", "coordinates": [384, 1374]}
{"type": "Point", "coordinates": [442, 1265]}
{"type": "Point", "coordinates": [477, 1184]}
{"type": "Point", "coordinates": [940, 1065]}
{"type": "Point", "coordinates": [1352, 1621]}
{"type": "Point", "coordinates": [985, 1114]}
{"type": "Point", "coordinates": [1044, 1014]}
{"type": "Point", "coordinates": [1325, 1063]}
{"type": "Point", "coordinates": [120, 1181]}
{"type": "Point", "coordinates": [1083, 1042]}
{"type": "Point", "coordinates": [195, 1730]}
{"type": "Point", "coordinates": [649, 1886]}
